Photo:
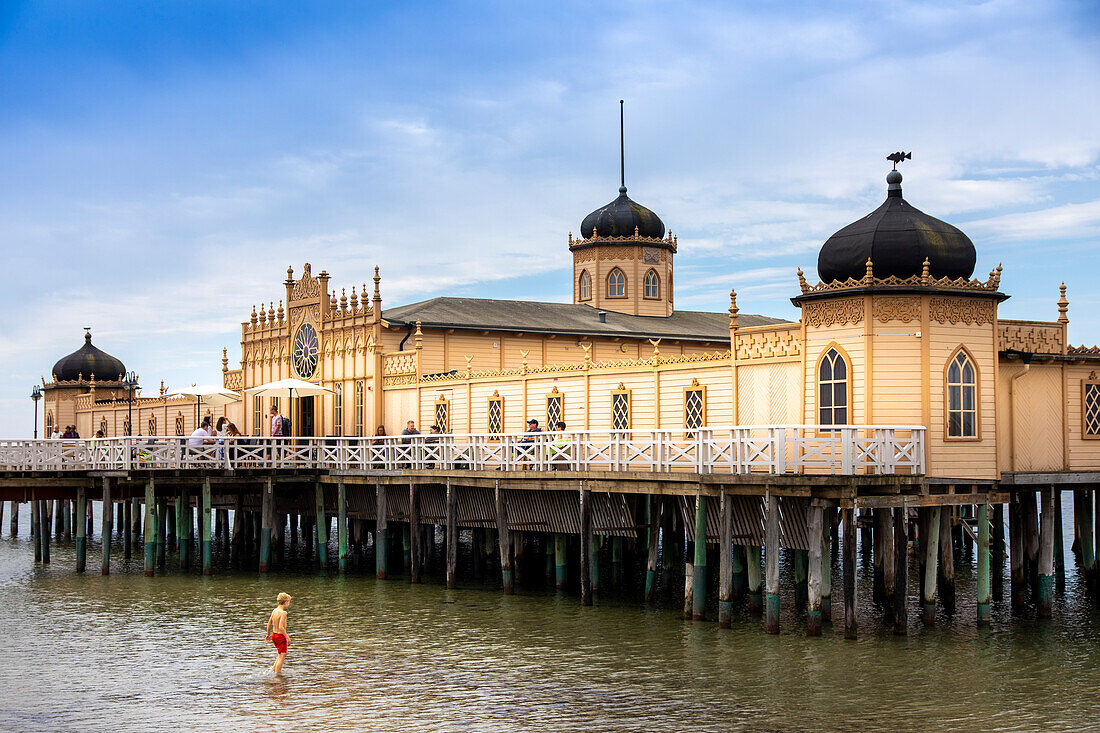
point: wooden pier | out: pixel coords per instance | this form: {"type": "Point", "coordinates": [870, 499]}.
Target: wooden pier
{"type": "Point", "coordinates": [570, 523]}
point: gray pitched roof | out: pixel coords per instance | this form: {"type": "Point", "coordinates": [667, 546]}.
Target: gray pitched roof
{"type": "Point", "coordinates": [481, 314]}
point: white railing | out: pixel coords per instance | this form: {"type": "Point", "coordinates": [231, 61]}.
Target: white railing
{"type": "Point", "coordinates": [769, 449]}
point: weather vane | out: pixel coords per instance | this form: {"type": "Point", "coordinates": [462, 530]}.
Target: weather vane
{"type": "Point", "coordinates": [898, 157]}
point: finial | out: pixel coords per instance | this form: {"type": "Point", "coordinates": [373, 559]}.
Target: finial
{"type": "Point", "coordinates": [622, 152]}
{"type": "Point", "coordinates": [570, 239]}
{"type": "Point", "coordinates": [523, 363]}
{"type": "Point", "coordinates": [802, 281]}
{"type": "Point", "coordinates": [253, 315]}
{"type": "Point", "coordinates": [893, 178]}
{"type": "Point", "coordinates": [162, 388]}
{"type": "Point", "coordinates": [926, 271]}
{"type": "Point", "coordinates": [225, 360]}
{"type": "Point", "coordinates": [869, 275]}
{"type": "Point", "coordinates": [468, 359]}
{"type": "Point", "coordinates": [263, 315]}
{"type": "Point", "coordinates": [593, 232]}
{"type": "Point", "coordinates": [290, 274]}
{"type": "Point", "coordinates": [271, 312]}
{"type": "Point", "coordinates": [997, 277]}
{"type": "Point", "coordinates": [418, 342]}
{"type": "Point", "coordinates": [377, 290]}
{"type": "Point", "coordinates": [354, 300]}
{"type": "Point", "coordinates": [1063, 305]}
{"type": "Point", "coordinates": [733, 310]}
{"type": "Point", "coordinates": [333, 304]}
{"type": "Point", "coordinates": [635, 232]}
{"type": "Point", "coordinates": [343, 300]}
{"type": "Point", "coordinates": [656, 351]}
{"type": "Point", "coordinates": [280, 311]}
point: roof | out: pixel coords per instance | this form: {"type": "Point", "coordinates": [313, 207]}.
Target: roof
{"type": "Point", "coordinates": [482, 314]}
{"type": "Point", "coordinates": [86, 362]}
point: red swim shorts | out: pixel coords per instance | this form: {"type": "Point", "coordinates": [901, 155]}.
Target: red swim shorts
{"type": "Point", "coordinates": [280, 643]}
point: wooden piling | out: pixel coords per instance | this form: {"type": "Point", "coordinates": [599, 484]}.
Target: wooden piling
{"type": "Point", "coordinates": [699, 566]}
{"type": "Point", "coordinates": [66, 517]}
{"type": "Point", "coordinates": [752, 573]}
{"type": "Point", "coordinates": [267, 523]}
{"type": "Point", "coordinates": [945, 576]}
{"type": "Point", "coordinates": [44, 534]}
{"type": "Point", "coordinates": [725, 561]}
{"type": "Point", "coordinates": [997, 551]}
{"type": "Point", "coordinates": [930, 548]}
{"type": "Point", "coordinates": [771, 558]}
{"type": "Point", "coordinates": [452, 536]}
{"type": "Point", "coordinates": [1046, 554]}
{"type": "Point", "coordinates": [150, 532]}
{"type": "Point", "coordinates": [108, 518]}
{"type": "Point", "coordinates": [814, 537]}
{"type": "Point", "coordinates": [799, 559]}
{"type": "Point", "coordinates": [850, 623]}
{"type": "Point", "coordinates": [1082, 510]}
{"type": "Point", "coordinates": [878, 560]}
{"type": "Point", "coordinates": [416, 556]}
{"type": "Point", "coordinates": [35, 521]}
{"type": "Point", "coordinates": [205, 535]}
{"type": "Point", "coordinates": [585, 543]}
{"type": "Point", "coordinates": [172, 515]}
{"type": "Point", "coordinates": [322, 526]}
{"type": "Point", "coordinates": [341, 528]}
{"type": "Point", "coordinates": [561, 566]}
{"type": "Point", "coordinates": [127, 529]}
{"type": "Point", "coordinates": [828, 552]}
{"type": "Point", "coordinates": [183, 523]}
{"type": "Point", "coordinates": [13, 527]}
{"type": "Point", "coordinates": [58, 518]}
{"type": "Point", "coordinates": [237, 550]}
{"type": "Point", "coordinates": [162, 532]}
{"type": "Point", "coordinates": [505, 538]}
{"type": "Point", "coordinates": [1031, 542]}
{"type": "Point", "coordinates": [901, 571]}
{"type": "Point", "coordinates": [381, 534]}
{"type": "Point", "coordinates": [1016, 552]}
{"type": "Point", "coordinates": [548, 550]}
{"type": "Point", "coordinates": [616, 561]}
{"type": "Point", "coordinates": [739, 571]}
{"type": "Point", "coordinates": [656, 506]}
{"type": "Point", "coordinates": [81, 529]}
{"type": "Point", "coordinates": [1059, 548]}
{"type": "Point", "coordinates": [983, 565]}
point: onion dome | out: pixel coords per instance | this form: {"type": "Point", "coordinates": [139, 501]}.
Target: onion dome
{"type": "Point", "coordinates": [896, 238]}
{"type": "Point", "coordinates": [86, 361]}
{"type": "Point", "coordinates": [620, 218]}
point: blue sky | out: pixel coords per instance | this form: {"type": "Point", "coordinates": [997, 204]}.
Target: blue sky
{"type": "Point", "coordinates": [163, 163]}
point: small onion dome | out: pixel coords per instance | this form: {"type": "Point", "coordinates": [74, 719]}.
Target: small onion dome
{"type": "Point", "coordinates": [86, 361]}
{"type": "Point", "coordinates": [619, 219]}
{"type": "Point", "coordinates": [896, 238]}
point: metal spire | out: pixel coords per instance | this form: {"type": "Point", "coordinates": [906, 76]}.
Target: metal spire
{"type": "Point", "coordinates": [622, 152]}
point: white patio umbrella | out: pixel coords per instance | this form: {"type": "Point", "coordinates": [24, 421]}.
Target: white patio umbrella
{"type": "Point", "coordinates": [206, 394]}
{"type": "Point", "coordinates": [289, 388]}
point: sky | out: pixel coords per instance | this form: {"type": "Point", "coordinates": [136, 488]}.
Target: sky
{"type": "Point", "coordinates": [162, 164]}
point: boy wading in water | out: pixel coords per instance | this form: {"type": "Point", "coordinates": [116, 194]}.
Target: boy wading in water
{"type": "Point", "coordinates": [276, 631]}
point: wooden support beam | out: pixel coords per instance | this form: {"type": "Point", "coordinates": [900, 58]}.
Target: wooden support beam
{"type": "Point", "coordinates": [930, 548]}
{"type": "Point", "coordinates": [44, 530]}
{"type": "Point", "coordinates": [415, 542]}
{"type": "Point", "coordinates": [997, 551]}
{"type": "Point", "coordinates": [1059, 548]}
{"type": "Point", "coordinates": [656, 507]}
{"type": "Point", "coordinates": [206, 537]}
{"type": "Point", "coordinates": [381, 533]}
{"type": "Point", "coordinates": [799, 560]}
{"type": "Point", "coordinates": [1031, 542]}
{"type": "Point", "coordinates": [1016, 553]}
{"type": "Point", "coordinates": [238, 541]}
{"type": "Point", "coordinates": [108, 518]}
{"type": "Point", "coordinates": [183, 524]}
{"type": "Point", "coordinates": [771, 574]}
{"type": "Point", "coordinates": [725, 561]}
{"type": "Point", "coordinates": [342, 527]}
{"type": "Point", "coordinates": [162, 531]}
{"type": "Point", "coordinates": [945, 576]}
{"type": "Point", "coordinates": [36, 520]}
{"type": "Point", "coordinates": [1083, 515]}
{"type": "Point", "coordinates": [814, 534]}
{"type": "Point", "coordinates": [616, 561]}
{"type": "Point", "coordinates": [81, 528]}
{"type": "Point", "coordinates": [561, 567]}
{"type": "Point", "coordinates": [901, 571]}
{"type": "Point", "coordinates": [322, 527]}
{"type": "Point", "coordinates": [850, 623]}
{"type": "Point", "coordinates": [125, 507]}
{"type": "Point", "coordinates": [585, 542]}
{"type": "Point", "coordinates": [828, 550]}
{"type": "Point", "coordinates": [13, 527]}
{"type": "Point", "coordinates": [150, 531]}
{"type": "Point", "coordinates": [1046, 555]}
{"type": "Point", "coordinates": [699, 569]}
{"type": "Point", "coordinates": [452, 536]}
{"type": "Point", "coordinates": [66, 517]}
{"type": "Point", "coordinates": [983, 565]}
{"type": "Point", "coordinates": [505, 537]}
{"type": "Point", "coordinates": [752, 573]}
{"type": "Point", "coordinates": [878, 564]}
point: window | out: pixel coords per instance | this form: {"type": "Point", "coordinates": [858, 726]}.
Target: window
{"type": "Point", "coordinates": [126, 427]}
{"type": "Point", "coordinates": [585, 285]}
{"type": "Point", "coordinates": [616, 284]}
{"type": "Point", "coordinates": [49, 423]}
{"type": "Point", "coordinates": [338, 409]}
{"type": "Point", "coordinates": [179, 423]}
{"type": "Point", "coordinates": [652, 285]}
{"type": "Point", "coordinates": [359, 409]}
{"type": "Point", "coordinates": [496, 414]}
{"type": "Point", "coordinates": [620, 408]}
{"type": "Point", "coordinates": [962, 397]}
{"type": "Point", "coordinates": [695, 405]}
{"type": "Point", "coordinates": [275, 404]}
{"type": "Point", "coordinates": [832, 388]}
{"type": "Point", "coordinates": [443, 414]}
{"type": "Point", "coordinates": [257, 415]}
{"type": "Point", "coordinates": [152, 426]}
{"type": "Point", "coordinates": [1090, 404]}
{"type": "Point", "coordinates": [103, 426]}
{"type": "Point", "coordinates": [555, 408]}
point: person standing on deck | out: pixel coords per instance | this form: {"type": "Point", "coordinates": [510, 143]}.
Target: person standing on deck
{"type": "Point", "coordinates": [277, 633]}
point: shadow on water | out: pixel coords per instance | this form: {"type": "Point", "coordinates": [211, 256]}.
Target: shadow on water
{"type": "Point", "coordinates": [367, 655]}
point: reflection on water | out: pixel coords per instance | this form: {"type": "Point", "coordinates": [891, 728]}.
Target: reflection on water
{"type": "Point", "coordinates": [139, 654]}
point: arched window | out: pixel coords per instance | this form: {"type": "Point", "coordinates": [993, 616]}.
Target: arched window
{"type": "Point", "coordinates": [359, 409]}
{"type": "Point", "coordinates": [257, 414]}
{"type": "Point", "coordinates": [652, 285]}
{"type": "Point", "coordinates": [103, 426]}
{"type": "Point", "coordinates": [585, 285]}
{"type": "Point", "coordinates": [962, 396]}
{"type": "Point", "coordinates": [338, 409]}
{"type": "Point", "coordinates": [616, 284]}
{"type": "Point", "coordinates": [179, 423]}
{"type": "Point", "coordinates": [832, 388]}
{"type": "Point", "coordinates": [49, 424]}
{"type": "Point", "coordinates": [152, 426]}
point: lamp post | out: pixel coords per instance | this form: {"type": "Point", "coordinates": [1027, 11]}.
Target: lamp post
{"type": "Point", "coordinates": [36, 395]}
{"type": "Point", "coordinates": [130, 383]}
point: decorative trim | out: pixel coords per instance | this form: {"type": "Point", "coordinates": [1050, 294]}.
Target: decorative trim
{"type": "Point", "coordinates": [904, 308]}
{"type": "Point", "coordinates": [833, 312]}
{"type": "Point", "coordinates": [970, 311]}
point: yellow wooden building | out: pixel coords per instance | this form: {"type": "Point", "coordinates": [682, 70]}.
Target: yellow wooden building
{"type": "Point", "coordinates": [897, 332]}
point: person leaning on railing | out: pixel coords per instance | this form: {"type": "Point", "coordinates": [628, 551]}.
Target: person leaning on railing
{"type": "Point", "coordinates": [380, 448]}
{"type": "Point", "coordinates": [558, 450]}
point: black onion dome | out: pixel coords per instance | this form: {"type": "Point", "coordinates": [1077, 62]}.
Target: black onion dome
{"type": "Point", "coordinates": [86, 361]}
{"type": "Point", "coordinates": [896, 238]}
{"type": "Point", "coordinates": [619, 219]}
